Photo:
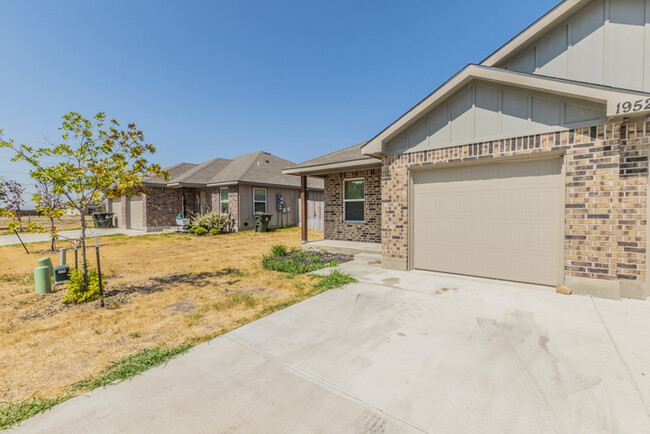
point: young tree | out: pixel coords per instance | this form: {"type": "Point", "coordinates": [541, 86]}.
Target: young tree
{"type": "Point", "coordinates": [51, 205]}
{"type": "Point", "coordinates": [13, 201]}
{"type": "Point", "coordinates": [4, 212]}
{"type": "Point", "coordinates": [94, 161]}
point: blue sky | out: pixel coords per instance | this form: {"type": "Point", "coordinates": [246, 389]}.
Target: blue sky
{"type": "Point", "coordinates": [206, 79]}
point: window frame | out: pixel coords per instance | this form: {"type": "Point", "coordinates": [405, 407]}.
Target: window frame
{"type": "Point", "coordinates": [266, 198]}
{"type": "Point", "coordinates": [221, 201]}
{"type": "Point", "coordinates": [345, 219]}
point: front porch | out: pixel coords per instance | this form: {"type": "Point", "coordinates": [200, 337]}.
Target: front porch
{"type": "Point", "coordinates": [344, 247]}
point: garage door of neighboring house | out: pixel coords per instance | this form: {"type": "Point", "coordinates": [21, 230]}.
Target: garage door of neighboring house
{"type": "Point", "coordinates": [501, 220]}
{"type": "Point", "coordinates": [116, 209]}
{"type": "Point", "coordinates": [135, 213]}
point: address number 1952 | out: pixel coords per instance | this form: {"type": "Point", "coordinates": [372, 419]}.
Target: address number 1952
{"type": "Point", "coordinates": [633, 106]}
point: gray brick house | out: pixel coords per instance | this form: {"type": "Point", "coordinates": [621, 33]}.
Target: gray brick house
{"type": "Point", "coordinates": [239, 186]}
{"type": "Point", "coordinates": [531, 166]}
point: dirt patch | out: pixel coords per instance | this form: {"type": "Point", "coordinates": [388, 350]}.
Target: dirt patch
{"type": "Point", "coordinates": [181, 306]}
{"type": "Point", "coordinates": [297, 261]}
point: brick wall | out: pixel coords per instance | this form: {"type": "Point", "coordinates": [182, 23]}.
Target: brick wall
{"type": "Point", "coordinates": [605, 202]}
{"type": "Point", "coordinates": [335, 227]}
{"type": "Point", "coordinates": [161, 206]}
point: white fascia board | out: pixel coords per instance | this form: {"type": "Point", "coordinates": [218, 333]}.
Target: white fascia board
{"type": "Point", "coordinates": [323, 169]}
{"type": "Point", "coordinates": [545, 23]}
{"type": "Point", "coordinates": [584, 91]}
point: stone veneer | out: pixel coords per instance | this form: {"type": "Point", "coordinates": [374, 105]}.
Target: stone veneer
{"type": "Point", "coordinates": [605, 202]}
{"type": "Point", "coordinates": [335, 227]}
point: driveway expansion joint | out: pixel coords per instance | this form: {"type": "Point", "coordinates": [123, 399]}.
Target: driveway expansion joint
{"type": "Point", "coordinates": [324, 383]}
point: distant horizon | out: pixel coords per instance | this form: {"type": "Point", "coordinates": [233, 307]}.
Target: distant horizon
{"type": "Point", "coordinates": [218, 79]}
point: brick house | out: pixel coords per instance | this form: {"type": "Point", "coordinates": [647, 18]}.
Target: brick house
{"type": "Point", "coordinates": [531, 166]}
{"type": "Point", "coordinates": [239, 187]}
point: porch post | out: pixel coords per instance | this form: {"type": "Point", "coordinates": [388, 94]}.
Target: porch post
{"type": "Point", "coordinates": [303, 208]}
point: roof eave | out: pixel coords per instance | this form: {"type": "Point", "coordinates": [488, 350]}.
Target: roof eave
{"type": "Point", "coordinates": [324, 169]}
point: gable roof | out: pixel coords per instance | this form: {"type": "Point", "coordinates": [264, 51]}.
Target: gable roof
{"type": "Point", "coordinates": [543, 24]}
{"type": "Point", "coordinates": [174, 172]}
{"type": "Point", "coordinates": [585, 91]}
{"type": "Point", "coordinates": [334, 161]}
{"type": "Point", "coordinates": [260, 168]}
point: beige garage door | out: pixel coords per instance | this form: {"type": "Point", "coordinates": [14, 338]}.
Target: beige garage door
{"type": "Point", "coordinates": [500, 221]}
{"type": "Point", "coordinates": [135, 213]}
{"type": "Point", "coordinates": [116, 209]}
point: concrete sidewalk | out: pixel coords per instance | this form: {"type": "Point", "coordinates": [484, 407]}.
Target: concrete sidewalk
{"type": "Point", "coordinates": [10, 240]}
{"type": "Point", "coordinates": [397, 352]}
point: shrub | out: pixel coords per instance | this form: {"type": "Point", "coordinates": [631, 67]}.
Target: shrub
{"type": "Point", "coordinates": [200, 231]}
{"type": "Point", "coordinates": [213, 220]}
{"type": "Point", "coordinates": [191, 231]}
{"type": "Point", "coordinates": [214, 231]}
{"type": "Point", "coordinates": [75, 285]}
{"type": "Point", "coordinates": [279, 250]}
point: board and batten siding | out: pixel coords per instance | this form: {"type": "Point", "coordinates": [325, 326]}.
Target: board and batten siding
{"type": "Point", "coordinates": [291, 198]}
{"type": "Point", "coordinates": [606, 42]}
{"type": "Point", "coordinates": [483, 111]}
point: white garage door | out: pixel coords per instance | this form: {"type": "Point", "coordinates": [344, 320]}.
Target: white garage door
{"type": "Point", "coordinates": [501, 221]}
{"type": "Point", "coordinates": [135, 213]}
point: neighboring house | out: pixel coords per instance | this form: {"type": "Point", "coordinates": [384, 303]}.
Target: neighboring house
{"type": "Point", "coordinates": [240, 187]}
{"type": "Point", "coordinates": [93, 207]}
{"type": "Point", "coordinates": [530, 167]}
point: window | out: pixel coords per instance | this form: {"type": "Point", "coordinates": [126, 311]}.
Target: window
{"type": "Point", "coordinates": [353, 200]}
{"type": "Point", "coordinates": [259, 200]}
{"type": "Point", "coordinates": [223, 200]}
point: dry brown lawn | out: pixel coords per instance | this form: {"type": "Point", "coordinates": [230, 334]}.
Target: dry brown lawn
{"type": "Point", "coordinates": [163, 289]}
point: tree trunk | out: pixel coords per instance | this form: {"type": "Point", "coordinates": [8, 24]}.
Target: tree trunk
{"type": "Point", "coordinates": [52, 235]}
{"type": "Point", "coordinates": [82, 240]}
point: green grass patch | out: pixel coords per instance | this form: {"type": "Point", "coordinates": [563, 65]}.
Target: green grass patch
{"type": "Point", "coordinates": [131, 366]}
{"type": "Point", "coordinates": [296, 261]}
{"type": "Point", "coordinates": [13, 413]}
{"type": "Point", "coordinates": [335, 279]}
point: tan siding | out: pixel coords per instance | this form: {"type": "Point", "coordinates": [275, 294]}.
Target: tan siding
{"type": "Point", "coordinates": [605, 42]}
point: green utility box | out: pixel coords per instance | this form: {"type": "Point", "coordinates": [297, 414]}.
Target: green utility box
{"type": "Point", "coordinates": [61, 274]}
{"type": "Point", "coordinates": [46, 262]}
{"type": "Point", "coordinates": [262, 221]}
{"type": "Point", "coordinates": [42, 280]}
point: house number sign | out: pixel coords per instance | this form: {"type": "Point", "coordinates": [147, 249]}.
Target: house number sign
{"type": "Point", "coordinates": [635, 106]}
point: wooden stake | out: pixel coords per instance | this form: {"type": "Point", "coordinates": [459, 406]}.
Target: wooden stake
{"type": "Point", "coordinates": [99, 273]}
{"type": "Point", "coordinates": [21, 241]}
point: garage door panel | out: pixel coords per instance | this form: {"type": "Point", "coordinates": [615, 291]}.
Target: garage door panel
{"type": "Point", "coordinates": [136, 213]}
{"type": "Point", "coordinates": [494, 220]}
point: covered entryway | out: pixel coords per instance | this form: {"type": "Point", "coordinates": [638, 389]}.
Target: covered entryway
{"type": "Point", "coordinates": [500, 220]}
{"type": "Point", "coordinates": [136, 220]}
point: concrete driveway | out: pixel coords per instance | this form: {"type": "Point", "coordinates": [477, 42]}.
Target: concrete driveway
{"type": "Point", "coordinates": [10, 240]}
{"type": "Point", "coordinates": [398, 352]}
